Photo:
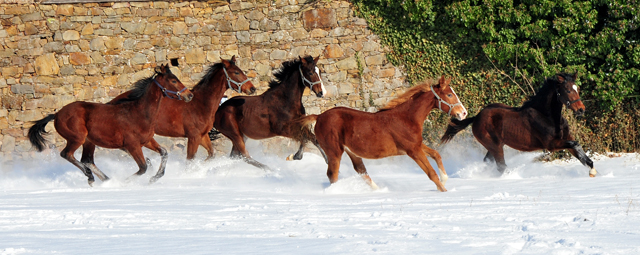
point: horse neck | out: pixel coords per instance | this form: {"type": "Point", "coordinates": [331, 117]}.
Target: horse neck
{"type": "Point", "coordinates": [417, 108]}
{"type": "Point", "coordinates": [290, 90]}
{"type": "Point", "coordinates": [549, 105]}
{"type": "Point", "coordinates": [149, 104]}
{"type": "Point", "coordinates": [207, 98]}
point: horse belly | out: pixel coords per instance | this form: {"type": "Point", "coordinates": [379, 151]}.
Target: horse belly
{"type": "Point", "coordinates": [372, 146]}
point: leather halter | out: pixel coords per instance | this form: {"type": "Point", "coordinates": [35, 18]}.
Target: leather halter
{"type": "Point", "coordinates": [440, 101]}
{"type": "Point", "coordinates": [305, 81]}
{"type": "Point", "coordinates": [166, 92]}
{"type": "Point", "coordinates": [229, 81]}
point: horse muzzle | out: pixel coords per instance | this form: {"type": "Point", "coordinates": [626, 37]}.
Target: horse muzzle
{"type": "Point", "coordinates": [579, 112]}
{"type": "Point", "coordinates": [187, 97]}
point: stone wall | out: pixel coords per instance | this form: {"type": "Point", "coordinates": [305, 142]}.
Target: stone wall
{"type": "Point", "coordinates": [51, 55]}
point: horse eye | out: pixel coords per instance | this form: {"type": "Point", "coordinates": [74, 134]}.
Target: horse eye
{"type": "Point", "coordinates": [173, 81]}
{"type": "Point", "coordinates": [237, 73]}
{"type": "Point", "coordinates": [449, 95]}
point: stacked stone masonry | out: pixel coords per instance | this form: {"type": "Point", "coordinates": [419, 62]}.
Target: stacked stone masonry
{"type": "Point", "coordinates": [54, 54]}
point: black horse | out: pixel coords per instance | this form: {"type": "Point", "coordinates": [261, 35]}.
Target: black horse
{"type": "Point", "coordinates": [538, 124]}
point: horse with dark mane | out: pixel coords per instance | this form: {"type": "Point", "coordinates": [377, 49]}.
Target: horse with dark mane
{"type": "Point", "coordinates": [271, 113]}
{"type": "Point", "coordinates": [195, 119]}
{"type": "Point", "coordinates": [394, 130]}
{"type": "Point", "coordinates": [127, 125]}
{"type": "Point", "coordinates": [538, 124]}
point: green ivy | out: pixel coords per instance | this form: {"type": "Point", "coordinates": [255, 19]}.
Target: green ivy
{"type": "Point", "coordinates": [501, 51]}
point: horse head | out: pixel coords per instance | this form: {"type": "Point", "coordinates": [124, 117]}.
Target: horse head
{"type": "Point", "coordinates": [311, 75]}
{"type": "Point", "coordinates": [236, 76]}
{"type": "Point", "coordinates": [170, 84]}
{"type": "Point", "coordinates": [447, 97]}
{"type": "Point", "coordinates": [567, 92]}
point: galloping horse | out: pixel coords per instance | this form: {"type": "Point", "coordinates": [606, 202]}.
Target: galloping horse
{"type": "Point", "coordinates": [269, 114]}
{"type": "Point", "coordinates": [195, 119]}
{"type": "Point", "coordinates": [538, 124]}
{"type": "Point", "coordinates": [127, 125]}
{"type": "Point", "coordinates": [394, 130]}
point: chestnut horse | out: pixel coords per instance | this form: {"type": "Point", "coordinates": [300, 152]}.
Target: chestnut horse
{"type": "Point", "coordinates": [269, 114]}
{"type": "Point", "coordinates": [394, 130]}
{"type": "Point", "coordinates": [195, 119]}
{"type": "Point", "coordinates": [538, 124]}
{"type": "Point", "coordinates": [127, 125]}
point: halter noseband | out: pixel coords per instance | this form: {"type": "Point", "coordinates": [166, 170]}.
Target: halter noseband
{"type": "Point", "coordinates": [166, 92]}
{"type": "Point", "coordinates": [229, 81]}
{"type": "Point", "coordinates": [568, 103]}
{"type": "Point", "coordinates": [440, 102]}
{"type": "Point", "coordinates": [305, 81]}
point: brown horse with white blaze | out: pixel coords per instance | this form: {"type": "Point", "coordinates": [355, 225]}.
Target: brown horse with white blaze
{"type": "Point", "coordinates": [394, 130]}
{"type": "Point", "coordinates": [127, 125]}
{"type": "Point", "coordinates": [538, 124]}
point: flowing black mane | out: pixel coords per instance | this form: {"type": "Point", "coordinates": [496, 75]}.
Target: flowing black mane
{"type": "Point", "coordinates": [206, 79]}
{"type": "Point", "coordinates": [288, 68]}
{"type": "Point", "coordinates": [139, 89]}
{"type": "Point", "coordinates": [548, 87]}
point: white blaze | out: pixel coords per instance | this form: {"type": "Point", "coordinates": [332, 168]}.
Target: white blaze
{"type": "Point", "coordinates": [324, 91]}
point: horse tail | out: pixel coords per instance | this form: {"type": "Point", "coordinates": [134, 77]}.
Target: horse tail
{"type": "Point", "coordinates": [36, 131]}
{"type": "Point", "coordinates": [455, 126]}
{"type": "Point", "coordinates": [303, 128]}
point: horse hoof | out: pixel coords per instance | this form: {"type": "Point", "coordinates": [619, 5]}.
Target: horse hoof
{"type": "Point", "coordinates": [91, 183]}
{"type": "Point", "coordinates": [290, 157]}
{"type": "Point", "coordinates": [593, 172]}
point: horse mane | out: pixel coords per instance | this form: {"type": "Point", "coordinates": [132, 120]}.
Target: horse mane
{"type": "Point", "coordinates": [543, 92]}
{"type": "Point", "coordinates": [420, 88]}
{"type": "Point", "coordinates": [288, 68]}
{"type": "Point", "coordinates": [206, 79]}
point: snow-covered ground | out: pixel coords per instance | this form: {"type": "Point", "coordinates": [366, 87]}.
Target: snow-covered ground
{"type": "Point", "coordinates": [229, 207]}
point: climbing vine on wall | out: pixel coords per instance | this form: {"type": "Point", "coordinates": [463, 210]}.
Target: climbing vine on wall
{"type": "Point", "coordinates": [501, 51]}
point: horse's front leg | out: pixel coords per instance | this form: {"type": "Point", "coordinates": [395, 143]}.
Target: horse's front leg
{"type": "Point", "coordinates": [576, 150]}
{"type": "Point", "coordinates": [436, 156]}
{"type": "Point", "coordinates": [420, 158]}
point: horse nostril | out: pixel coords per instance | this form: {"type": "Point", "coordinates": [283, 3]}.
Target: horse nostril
{"type": "Point", "coordinates": [252, 90]}
{"type": "Point", "coordinates": [319, 94]}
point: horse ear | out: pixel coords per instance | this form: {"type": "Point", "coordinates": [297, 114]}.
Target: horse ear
{"type": "Point", "coordinates": [158, 69]}
{"type": "Point", "coordinates": [315, 60]}
{"type": "Point", "coordinates": [226, 62]}
{"type": "Point", "coordinates": [441, 82]}
{"type": "Point", "coordinates": [560, 79]}
{"type": "Point", "coordinates": [303, 60]}
{"type": "Point", "coordinates": [575, 76]}
{"type": "Point", "coordinates": [233, 59]}
{"type": "Point", "coordinates": [446, 83]}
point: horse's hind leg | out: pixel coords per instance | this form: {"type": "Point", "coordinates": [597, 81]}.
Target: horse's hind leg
{"type": "Point", "coordinates": [358, 165]}
{"type": "Point", "coordinates": [88, 150]}
{"type": "Point", "coordinates": [489, 157]}
{"type": "Point", "coordinates": [423, 162]}
{"type": "Point", "coordinates": [67, 153]}
{"type": "Point", "coordinates": [436, 156]}
{"type": "Point", "coordinates": [153, 145]}
{"type": "Point", "coordinates": [298, 154]}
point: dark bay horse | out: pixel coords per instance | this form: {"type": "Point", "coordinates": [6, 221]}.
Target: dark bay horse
{"type": "Point", "coordinates": [271, 113]}
{"type": "Point", "coordinates": [194, 120]}
{"type": "Point", "coordinates": [394, 130]}
{"type": "Point", "coordinates": [127, 125]}
{"type": "Point", "coordinates": [538, 124]}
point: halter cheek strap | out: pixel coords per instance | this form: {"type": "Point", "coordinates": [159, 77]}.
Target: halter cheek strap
{"type": "Point", "coordinates": [305, 81]}
{"type": "Point", "coordinates": [568, 103]}
{"type": "Point", "coordinates": [229, 81]}
{"type": "Point", "coordinates": [166, 92]}
{"type": "Point", "coordinates": [440, 102]}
